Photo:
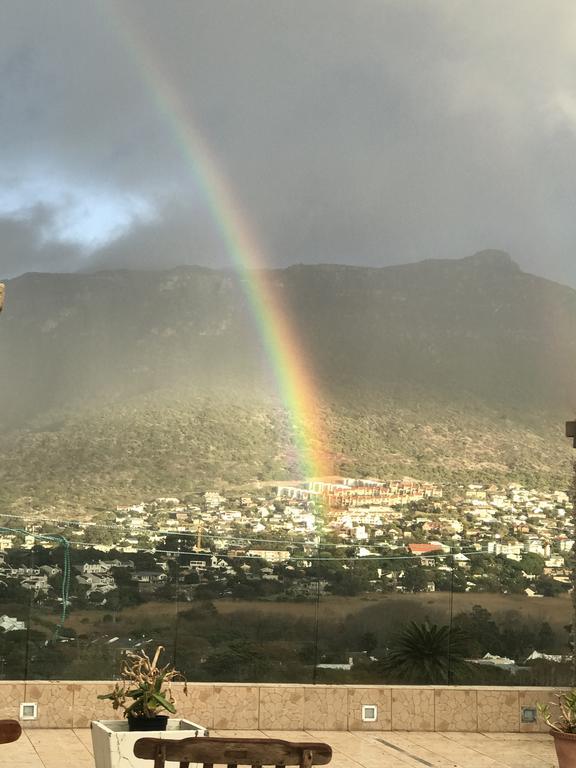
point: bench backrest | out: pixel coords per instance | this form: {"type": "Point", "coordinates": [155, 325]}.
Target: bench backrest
{"type": "Point", "coordinates": [10, 730]}
{"type": "Point", "coordinates": [211, 751]}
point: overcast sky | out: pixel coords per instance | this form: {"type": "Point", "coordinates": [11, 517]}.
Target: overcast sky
{"type": "Point", "coordinates": [365, 132]}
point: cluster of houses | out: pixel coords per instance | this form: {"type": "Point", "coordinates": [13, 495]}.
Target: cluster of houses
{"type": "Point", "coordinates": [511, 522]}
{"type": "Point", "coordinates": [285, 528]}
{"type": "Point", "coordinates": [338, 492]}
{"type": "Point", "coordinates": [28, 577]}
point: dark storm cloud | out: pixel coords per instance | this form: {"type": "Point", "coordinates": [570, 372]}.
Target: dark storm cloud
{"type": "Point", "coordinates": [367, 132]}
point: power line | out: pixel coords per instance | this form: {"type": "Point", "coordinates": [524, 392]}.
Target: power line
{"type": "Point", "coordinates": [311, 558]}
{"type": "Point", "coordinates": [107, 526]}
{"type": "Point", "coordinates": [240, 539]}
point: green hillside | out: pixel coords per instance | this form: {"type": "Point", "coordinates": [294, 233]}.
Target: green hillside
{"type": "Point", "coordinates": [130, 384]}
{"type": "Point", "coordinates": [175, 446]}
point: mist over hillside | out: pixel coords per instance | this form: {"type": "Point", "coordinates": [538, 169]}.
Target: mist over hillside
{"type": "Point", "coordinates": [121, 383]}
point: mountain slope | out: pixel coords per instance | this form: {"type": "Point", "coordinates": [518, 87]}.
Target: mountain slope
{"type": "Point", "coordinates": [178, 445]}
{"type": "Point", "coordinates": [123, 383]}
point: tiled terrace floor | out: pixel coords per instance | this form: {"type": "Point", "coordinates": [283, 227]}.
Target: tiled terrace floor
{"type": "Point", "coordinates": [40, 748]}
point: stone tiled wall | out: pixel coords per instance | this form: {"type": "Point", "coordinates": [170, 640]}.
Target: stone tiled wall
{"type": "Point", "coordinates": [294, 707]}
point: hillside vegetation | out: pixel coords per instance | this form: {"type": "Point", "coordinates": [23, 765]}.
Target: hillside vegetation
{"type": "Point", "coordinates": [123, 385]}
{"type": "Point", "coordinates": [155, 447]}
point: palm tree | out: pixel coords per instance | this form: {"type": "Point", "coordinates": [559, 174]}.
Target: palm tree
{"type": "Point", "coordinates": [426, 654]}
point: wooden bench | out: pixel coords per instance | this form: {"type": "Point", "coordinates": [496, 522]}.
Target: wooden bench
{"type": "Point", "coordinates": [233, 752]}
{"type": "Point", "coordinates": [10, 730]}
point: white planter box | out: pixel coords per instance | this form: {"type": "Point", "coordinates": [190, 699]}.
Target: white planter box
{"type": "Point", "coordinates": [114, 744]}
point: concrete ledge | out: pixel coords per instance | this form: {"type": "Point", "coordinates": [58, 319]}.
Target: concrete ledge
{"type": "Point", "coordinates": [237, 706]}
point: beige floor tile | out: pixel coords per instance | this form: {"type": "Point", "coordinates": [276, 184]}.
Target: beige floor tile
{"type": "Point", "coordinates": [85, 736]}
{"type": "Point", "coordinates": [398, 742]}
{"type": "Point", "coordinates": [341, 761]}
{"type": "Point", "coordinates": [455, 752]}
{"type": "Point", "coordinates": [539, 750]}
{"type": "Point", "coordinates": [340, 758]}
{"type": "Point", "coordinates": [20, 754]}
{"type": "Point", "coordinates": [54, 748]}
{"type": "Point", "coordinates": [540, 745]}
{"type": "Point", "coordinates": [514, 754]}
{"type": "Point", "coordinates": [60, 748]}
{"type": "Point", "coordinates": [367, 754]}
{"type": "Point", "coordinates": [238, 734]}
{"type": "Point", "coordinates": [290, 735]}
{"type": "Point", "coordinates": [475, 738]}
{"type": "Point", "coordinates": [529, 737]}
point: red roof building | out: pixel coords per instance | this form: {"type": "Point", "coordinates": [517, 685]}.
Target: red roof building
{"type": "Point", "coordinates": [424, 549]}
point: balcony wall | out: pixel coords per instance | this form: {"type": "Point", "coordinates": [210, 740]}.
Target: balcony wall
{"type": "Point", "coordinates": [72, 704]}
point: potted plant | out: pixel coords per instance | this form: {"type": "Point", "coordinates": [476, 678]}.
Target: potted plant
{"type": "Point", "coordinates": [563, 727]}
{"type": "Point", "coordinates": [145, 691]}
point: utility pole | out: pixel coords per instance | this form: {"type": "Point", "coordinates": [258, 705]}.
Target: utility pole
{"type": "Point", "coordinates": [198, 547]}
{"type": "Point", "coordinates": [571, 432]}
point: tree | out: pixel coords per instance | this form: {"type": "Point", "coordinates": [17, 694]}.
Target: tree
{"type": "Point", "coordinates": [532, 564]}
{"type": "Point", "coordinates": [548, 586]}
{"type": "Point", "coordinates": [96, 534]}
{"type": "Point", "coordinates": [545, 638]}
{"type": "Point", "coordinates": [232, 661]}
{"type": "Point", "coordinates": [510, 575]}
{"type": "Point", "coordinates": [481, 629]}
{"type": "Point", "coordinates": [355, 578]}
{"type": "Point", "coordinates": [369, 642]}
{"type": "Point", "coordinates": [426, 654]}
{"type": "Point", "coordinates": [416, 578]}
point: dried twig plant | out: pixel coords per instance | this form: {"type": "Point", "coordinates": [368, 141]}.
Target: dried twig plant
{"type": "Point", "coordinates": [146, 688]}
{"type": "Point", "coordinates": [565, 721]}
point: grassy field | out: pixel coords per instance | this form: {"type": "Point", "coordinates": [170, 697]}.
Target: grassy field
{"type": "Point", "coordinates": [555, 610]}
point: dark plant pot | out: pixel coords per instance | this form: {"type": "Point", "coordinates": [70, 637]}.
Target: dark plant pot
{"type": "Point", "coordinates": [565, 744]}
{"type": "Point", "coordinates": [157, 723]}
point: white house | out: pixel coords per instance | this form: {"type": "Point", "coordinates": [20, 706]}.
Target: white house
{"type": "Point", "coordinates": [271, 555]}
{"type": "Point", "coordinates": [11, 624]}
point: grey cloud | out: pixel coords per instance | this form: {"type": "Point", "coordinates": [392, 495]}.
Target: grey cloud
{"type": "Point", "coordinates": [169, 241]}
{"type": "Point", "coordinates": [367, 132]}
{"type": "Point", "coordinates": [23, 248]}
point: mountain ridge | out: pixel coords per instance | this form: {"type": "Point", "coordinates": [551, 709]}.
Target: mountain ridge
{"type": "Point", "coordinates": [431, 342]}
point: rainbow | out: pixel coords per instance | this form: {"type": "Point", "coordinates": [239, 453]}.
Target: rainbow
{"type": "Point", "coordinates": [292, 370]}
